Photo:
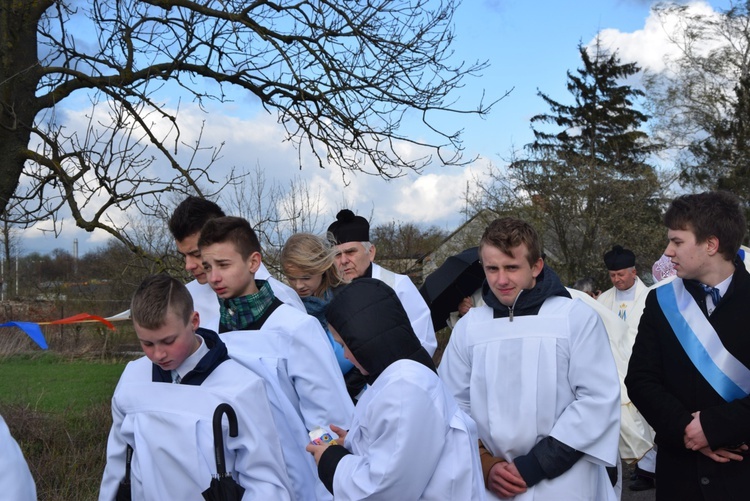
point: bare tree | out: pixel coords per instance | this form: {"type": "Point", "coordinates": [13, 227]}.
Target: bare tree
{"type": "Point", "coordinates": [276, 211]}
{"type": "Point", "coordinates": [696, 90]}
{"type": "Point", "coordinates": [339, 75]}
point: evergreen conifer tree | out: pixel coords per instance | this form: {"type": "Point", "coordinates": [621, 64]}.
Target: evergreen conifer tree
{"type": "Point", "coordinates": [587, 178]}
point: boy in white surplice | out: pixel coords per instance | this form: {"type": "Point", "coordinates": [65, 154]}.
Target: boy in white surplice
{"type": "Point", "coordinates": [533, 367]}
{"type": "Point", "coordinates": [170, 426]}
{"type": "Point", "coordinates": [408, 440]}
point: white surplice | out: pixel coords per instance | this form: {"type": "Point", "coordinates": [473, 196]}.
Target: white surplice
{"type": "Point", "coordinates": [291, 352]}
{"type": "Point", "coordinates": [414, 304]}
{"type": "Point", "coordinates": [550, 374]}
{"type": "Point", "coordinates": [169, 427]}
{"type": "Point", "coordinates": [409, 440]}
{"type": "Point", "coordinates": [16, 482]}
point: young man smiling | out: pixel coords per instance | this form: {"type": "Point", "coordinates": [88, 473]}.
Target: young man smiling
{"type": "Point", "coordinates": [533, 367]}
{"type": "Point", "coordinates": [689, 373]}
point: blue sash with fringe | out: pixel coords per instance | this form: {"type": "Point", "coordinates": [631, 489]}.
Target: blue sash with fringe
{"type": "Point", "coordinates": [727, 375]}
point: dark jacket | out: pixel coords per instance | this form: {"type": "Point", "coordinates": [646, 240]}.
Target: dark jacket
{"type": "Point", "coordinates": [370, 319]}
{"type": "Point", "coordinates": [528, 301]}
{"type": "Point", "coordinates": [666, 387]}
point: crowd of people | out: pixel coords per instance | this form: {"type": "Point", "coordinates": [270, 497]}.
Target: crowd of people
{"type": "Point", "coordinates": [541, 391]}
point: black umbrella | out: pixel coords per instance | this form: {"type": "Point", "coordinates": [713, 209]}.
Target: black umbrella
{"type": "Point", "coordinates": [458, 277]}
{"type": "Point", "coordinates": [223, 486]}
{"type": "Point", "coordinates": [123, 490]}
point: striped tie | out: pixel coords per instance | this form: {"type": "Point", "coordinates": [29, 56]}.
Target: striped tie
{"type": "Point", "coordinates": [713, 292]}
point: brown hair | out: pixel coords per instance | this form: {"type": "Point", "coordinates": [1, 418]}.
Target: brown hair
{"type": "Point", "coordinates": [713, 213]}
{"type": "Point", "coordinates": [230, 229]}
{"type": "Point", "coordinates": [189, 217]}
{"type": "Point", "coordinates": [155, 297]}
{"type": "Point", "coordinates": [508, 232]}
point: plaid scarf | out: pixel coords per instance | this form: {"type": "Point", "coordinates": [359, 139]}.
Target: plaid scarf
{"type": "Point", "coordinates": [240, 312]}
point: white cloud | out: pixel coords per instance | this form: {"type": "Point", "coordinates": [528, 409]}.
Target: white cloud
{"type": "Point", "coordinates": [651, 45]}
{"type": "Point", "coordinates": [438, 196]}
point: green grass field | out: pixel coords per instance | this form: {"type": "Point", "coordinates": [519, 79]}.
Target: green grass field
{"type": "Point", "coordinates": [58, 409]}
{"type": "Point", "coordinates": [50, 383]}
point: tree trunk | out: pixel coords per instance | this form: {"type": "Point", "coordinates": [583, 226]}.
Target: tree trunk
{"type": "Point", "coordinates": [19, 76]}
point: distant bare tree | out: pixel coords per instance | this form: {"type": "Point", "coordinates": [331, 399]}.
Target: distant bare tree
{"type": "Point", "coordinates": [400, 245]}
{"type": "Point", "coordinates": [11, 239]}
{"type": "Point", "coordinates": [275, 211]}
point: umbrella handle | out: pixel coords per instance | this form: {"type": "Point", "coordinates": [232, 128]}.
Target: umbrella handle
{"type": "Point", "coordinates": [128, 459]}
{"type": "Point", "coordinates": [222, 409]}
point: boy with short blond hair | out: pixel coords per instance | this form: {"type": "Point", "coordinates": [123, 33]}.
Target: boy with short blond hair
{"type": "Point", "coordinates": [164, 404]}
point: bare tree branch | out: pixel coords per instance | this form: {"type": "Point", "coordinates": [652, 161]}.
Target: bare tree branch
{"type": "Point", "coordinates": [340, 76]}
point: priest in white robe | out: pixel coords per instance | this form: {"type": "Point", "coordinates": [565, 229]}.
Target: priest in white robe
{"type": "Point", "coordinates": [357, 253]}
{"type": "Point", "coordinates": [627, 288]}
{"type": "Point", "coordinates": [626, 299]}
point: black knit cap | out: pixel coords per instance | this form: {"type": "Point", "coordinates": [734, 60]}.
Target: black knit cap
{"type": "Point", "coordinates": [619, 258]}
{"type": "Point", "coordinates": [350, 228]}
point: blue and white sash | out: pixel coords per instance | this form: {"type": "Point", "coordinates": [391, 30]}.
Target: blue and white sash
{"type": "Point", "coordinates": [727, 375]}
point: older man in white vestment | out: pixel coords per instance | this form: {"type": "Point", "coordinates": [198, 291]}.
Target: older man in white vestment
{"type": "Point", "coordinates": [627, 288]}
{"type": "Point", "coordinates": [355, 260]}
{"type": "Point", "coordinates": [626, 299]}
{"type": "Point", "coordinates": [533, 367]}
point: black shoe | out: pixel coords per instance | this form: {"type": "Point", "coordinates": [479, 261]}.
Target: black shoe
{"type": "Point", "coordinates": [642, 484]}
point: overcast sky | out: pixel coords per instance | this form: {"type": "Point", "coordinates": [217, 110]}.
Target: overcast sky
{"type": "Point", "coordinates": [530, 46]}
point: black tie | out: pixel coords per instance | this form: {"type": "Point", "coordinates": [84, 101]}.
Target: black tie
{"type": "Point", "coordinates": [713, 292]}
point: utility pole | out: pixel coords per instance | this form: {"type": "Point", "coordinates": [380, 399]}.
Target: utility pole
{"type": "Point", "coordinates": [75, 257]}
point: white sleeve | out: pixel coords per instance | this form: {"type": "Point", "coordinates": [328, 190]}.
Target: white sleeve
{"type": "Point", "coordinates": [16, 482]}
{"type": "Point", "coordinates": [404, 446]}
{"type": "Point", "coordinates": [260, 461]}
{"type": "Point", "coordinates": [591, 423]}
{"type": "Point", "coordinates": [418, 312]}
{"type": "Point", "coordinates": [317, 379]}
{"type": "Point", "coordinates": [455, 366]}
{"type": "Point", "coordinates": [114, 471]}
